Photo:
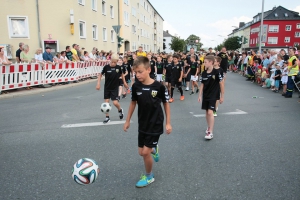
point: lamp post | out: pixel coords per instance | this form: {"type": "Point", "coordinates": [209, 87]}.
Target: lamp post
{"type": "Point", "coordinates": [261, 25]}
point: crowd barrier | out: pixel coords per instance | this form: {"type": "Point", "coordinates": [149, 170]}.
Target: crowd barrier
{"type": "Point", "coordinates": [26, 75]}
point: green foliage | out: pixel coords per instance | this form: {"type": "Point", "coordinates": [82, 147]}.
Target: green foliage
{"type": "Point", "coordinates": [232, 43]}
{"type": "Point", "coordinates": [192, 40]}
{"type": "Point", "coordinates": [177, 44]}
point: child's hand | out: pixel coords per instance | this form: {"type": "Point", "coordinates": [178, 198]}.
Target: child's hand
{"type": "Point", "coordinates": [168, 128]}
{"type": "Point", "coordinates": [221, 100]}
{"type": "Point", "coordinates": [98, 87]}
{"type": "Point", "coordinates": [179, 80]}
{"type": "Point", "coordinates": [126, 126]}
{"type": "Point", "coordinates": [199, 99]}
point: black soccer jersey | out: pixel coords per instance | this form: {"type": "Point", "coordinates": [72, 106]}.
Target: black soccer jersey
{"type": "Point", "coordinates": [193, 66]}
{"type": "Point", "coordinates": [224, 61]}
{"type": "Point", "coordinates": [160, 67]}
{"type": "Point", "coordinates": [211, 81]}
{"type": "Point", "coordinates": [150, 113]}
{"type": "Point", "coordinates": [188, 59]}
{"type": "Point", "coordinates": [210, 54]}
{"type": "Point", "coordinates": [220, 70]}
{"type": "Point", "coordinates": [152, 65]}
{"type": "Point", "coordinates": [130, 60]}
{"type": "Point", "coordinates": [176, 72]}
{"type": "Point", "coordinates": [128, 68]}
{"type": "Point", "coordinates": [164, 60]}
{"type": "Point", "coordinates": [168, 68]}
{"type": "Point", "coordinates": [112, 75]}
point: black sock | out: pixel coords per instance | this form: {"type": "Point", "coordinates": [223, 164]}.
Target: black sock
{"type": "Point", "coordinates": [181, 92]}
{"type": "Point", "coordinates": [172, 92]}
{"type": "Point", "coordinates": [107, 117]}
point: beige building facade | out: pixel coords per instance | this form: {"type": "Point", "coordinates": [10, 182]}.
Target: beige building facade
{"type": "Point", "coordinates": [141, 25]}
{"type": "Point", "coordinates": [61, 23]}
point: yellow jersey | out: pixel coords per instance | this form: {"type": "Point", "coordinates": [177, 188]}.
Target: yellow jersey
{"type": "Point", "coordinates": [141, 54]}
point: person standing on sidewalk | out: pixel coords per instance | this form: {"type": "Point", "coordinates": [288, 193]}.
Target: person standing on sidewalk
{"type": "Point", "coordinates": [293, 70]}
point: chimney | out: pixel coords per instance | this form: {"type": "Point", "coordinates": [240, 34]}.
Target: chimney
{"type": "Point", "coordinates": [274, 8]}
{"type": "Point", "coordinates": [167, 31]}
{"type": "Point", "coordinates": [241, 24]}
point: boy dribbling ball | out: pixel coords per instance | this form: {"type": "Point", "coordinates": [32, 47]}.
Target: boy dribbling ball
{"type": "Point", "coordinates": [211, 85]}
{"type": "Point", "coordinates": [111, 87]}
{"type": "Point", "coordinates": [148, 94]}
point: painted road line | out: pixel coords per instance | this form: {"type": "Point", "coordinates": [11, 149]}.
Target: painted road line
{"type": "Point", "coordinates": [92, 124]}
{"type": "Point", "coordinates": [237, 112]}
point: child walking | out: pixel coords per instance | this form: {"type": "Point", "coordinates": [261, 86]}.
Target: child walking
{"type": "Point", "coordinates": [148, 94]}
{"type": "Point", "coordinates": [210, 88]}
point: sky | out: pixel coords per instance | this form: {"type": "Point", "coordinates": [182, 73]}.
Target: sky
{"type": "Point", "coordinates": [212, 21]}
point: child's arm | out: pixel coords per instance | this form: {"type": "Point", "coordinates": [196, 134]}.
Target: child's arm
{"type": "Point", "coordinates": [188, 71]}
{"type": "Point", "coordinates": [181, 74]}
{"type": "Point", "coordinates": [98, 82]}
{"type": "Point", "coordinates": [124, 81]}
{"type": "Point", "coordinates": [200, 92]}
{"type": "Point", "coordinates": [197, 71]}
{"type": "Point", "coordinates": [168, 118]}
{"type": "Point", "coordinates": [222, 91]}
{"type": "Point", "coordinates": [155, 69]}
{"type": "Point", "coordinates": [130, 112]}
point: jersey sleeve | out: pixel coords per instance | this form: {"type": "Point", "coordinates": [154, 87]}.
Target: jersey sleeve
{"type": "Point", "coordinates": [134, 96]}
{"type": "Point", "coordinates": [104, 70]}
{"type": "Point", "coordinates": [164, 94]}
{"type": "Point", "coordinates": [201, 78]}
{"type": "Point", "coordinates": [220, 75]}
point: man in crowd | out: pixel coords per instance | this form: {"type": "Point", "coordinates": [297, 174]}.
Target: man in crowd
{"type": "Point", "coordinates": [92, 55]}
{"type": "Point", "coordinates": [18, 52]}
{"type": "Point", "coordinates": [224, 62]}
{"type": "Point", "coordinates": [284, 55]}
{"type": "Point", "coordinates": [47, 56]}
{"type": "Point", "coordinates": [210, 53]}
{"type": "Point", "coordinates": [141, 52]}
{"type": "Point", "coordinates": [74, 53]}
{"type": "Point", "coordinates": [69, 53]}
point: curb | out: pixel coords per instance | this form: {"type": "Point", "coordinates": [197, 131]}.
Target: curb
{"type": "Point", "coordinates": [42, 90]}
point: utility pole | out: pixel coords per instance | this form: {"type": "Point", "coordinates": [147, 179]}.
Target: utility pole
{"type": "Point", "coordinates": [261, 25]}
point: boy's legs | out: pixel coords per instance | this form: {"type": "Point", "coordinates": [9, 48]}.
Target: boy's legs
{"type": "Point", "coordinates": [209, 106]}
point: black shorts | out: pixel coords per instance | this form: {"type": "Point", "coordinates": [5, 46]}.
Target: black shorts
{"type": "Point", "coordinates": [188, 77]}
{"type": "Point", "coordinates": [111, 94]}
{"type": "Point", "coordinates": [121, 83]}
{"type": "Point", "coordinates": [209, 104]}
{"type": "Point", "coordinates": [168, 79]}
{"type": "Point", "coordinates": [147, 140]}
{"type": "Point", "coordinates": [175, 83]}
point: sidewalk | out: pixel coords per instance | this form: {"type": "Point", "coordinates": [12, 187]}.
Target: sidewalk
{"type": "Point", "coordinates": [36, 90]}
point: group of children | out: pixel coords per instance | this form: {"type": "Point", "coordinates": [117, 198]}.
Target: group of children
{"type": "Point", "coordinates": [150, 90]}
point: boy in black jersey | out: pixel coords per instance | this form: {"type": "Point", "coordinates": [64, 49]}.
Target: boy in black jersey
{"type": "Point", "coordinates": [112, 74]}
{"type": "Point", "coordinates": [217, 67]}
{"type": "Point", "coordinates": [168, 73]}
{"type": "Point", "coordinates": [148, 94]}
{"type": "Point", "coordinates": [127, 69]}
{"type": "Point", "coordinates": [211, 85]}
{"type": "Point", "coordinates": [153, 67]}
{"type": "Point", "coordinates": [159, 68]}
{"type": "Point", "coordinates": [121, 84]}
{"type": "Point", "coordinates": [176, 78]}
{"type": "Point", "coordinates": [194, 74]}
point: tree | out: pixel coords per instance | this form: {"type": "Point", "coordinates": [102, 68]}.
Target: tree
{"type": "Point", "coordinates": [177, 44]}
{"type": "Point", "coordinates": [195, 40]}
{"type": "Point", "coordinates": [219, 47]}
{"type": "Point", "coordinates": [233, 43]}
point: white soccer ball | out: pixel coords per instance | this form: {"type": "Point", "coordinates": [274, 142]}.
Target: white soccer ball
{"type": "Point", "coordinates": [105, 107]}
{"type": "Point", "coordinates": [85, 171]}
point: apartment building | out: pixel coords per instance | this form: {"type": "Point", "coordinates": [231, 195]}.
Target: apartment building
{"type": "Point", "coordinates": [141, 25]}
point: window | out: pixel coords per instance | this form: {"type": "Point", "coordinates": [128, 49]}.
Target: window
{"type": "Point", "coordinates": [251, 41]}
{"type": "Point", "coordinates": [297, 34]}
{"type": "Point", "coordinates": [272, 40]}
{"type": "Point", "coordinates": [112, 36]}
{"type": "Point", "coordinates": [274, 28]}
{"type": "Point", "coordinates": [256, 41]}
{"type": "Point", "coordinates": [18, 27]}
{"type": "Point", "coordinates": [103, 8]}
{"type": "Point", "coordinates": [126, 2]}
{"type": "Point", "coordinates": [104, 34]}
{"type": "Point", "coordinates": [276, 15]}
{"type": "Point", "coordinates": [133, 28]}
{"type": "Point", "coordinates": [112, 14]}
{"type": "Point", "coordinates": [95, 32]}
{"type": "Point", "coordinates": [296, 44]}
{"type": "Point", "coordinates": [94, 5]}
{"type": "Point", "coordinates": [133, 11]}
{"type": "Point", "coordinates": [288, 27]}
{"type": "Point", "coordinates": [82, 30]}
{"type": "Point", "coordinates": [286, 15]}
{"type": "Point", "coordinates": [81, 2]}
{"type": "Point", "coordinates": [287, 40]}
{"type": "Point", "coordinates": [126, 18]}
{"type": "Point", "coordinates": [298, 26]}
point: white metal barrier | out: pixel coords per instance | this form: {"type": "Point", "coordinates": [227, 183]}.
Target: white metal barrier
{"type": "Point", "coordinates": [25, 75]}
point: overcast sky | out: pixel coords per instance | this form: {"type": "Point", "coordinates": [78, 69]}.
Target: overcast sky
{"type": "Point", "coordinates": [208, 19]}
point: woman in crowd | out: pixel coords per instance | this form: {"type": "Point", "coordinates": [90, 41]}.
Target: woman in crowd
{"type": "Point", "coordinates": [25, 56]}
{"type": "Point", "coordinates": [38, 56]}
{"type": "Point", "coordinates": [56, 58]}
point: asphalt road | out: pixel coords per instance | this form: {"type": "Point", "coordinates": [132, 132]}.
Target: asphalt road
{"type": "Point", "coordinates": [255, 153]}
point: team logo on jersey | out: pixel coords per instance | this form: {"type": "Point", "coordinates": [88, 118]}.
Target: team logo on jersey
{"type": "Point", "coordinates": [213, 76]}
{"type": "Point", "coordinates": [177, 67]}
{"type": "Point", "coordinates": [153, 93]}
{"type": "Point", "coordinates": [117, 70]}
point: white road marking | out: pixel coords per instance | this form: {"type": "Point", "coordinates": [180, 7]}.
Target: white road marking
{"type": "Point", "coordinates": [237, 112]}
{"type": "Point", "coordinates": [92, 124]}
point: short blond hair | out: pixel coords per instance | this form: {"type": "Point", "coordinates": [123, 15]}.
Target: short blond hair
{"type": "Point", "coordinates": [114, 57]}
{"type": "Point", "coordinates": [39, 49]}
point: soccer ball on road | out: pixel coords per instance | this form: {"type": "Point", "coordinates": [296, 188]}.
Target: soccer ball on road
{"type": "Point", "coordinates": [85, 171]}
{"type": "Point", "coordinates": [105, 107]}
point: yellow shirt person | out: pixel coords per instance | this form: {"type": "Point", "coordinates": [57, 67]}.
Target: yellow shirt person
{"type": "Point", "coordinates": [141, 52]}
